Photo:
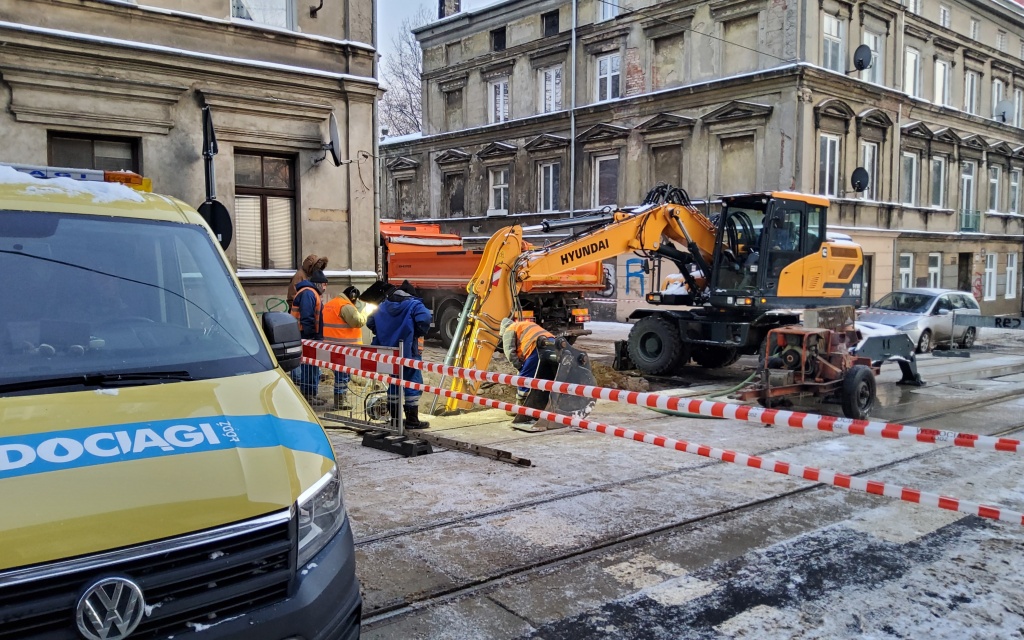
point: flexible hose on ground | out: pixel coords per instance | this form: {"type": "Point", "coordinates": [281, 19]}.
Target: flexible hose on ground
{"type": "Point", "coordinates": [717, 394]}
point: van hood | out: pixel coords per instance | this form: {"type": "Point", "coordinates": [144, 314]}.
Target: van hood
{"type": "Point", "coordinates": [894, 319]}
{"type": "Point", "coordinates": [91, 471]}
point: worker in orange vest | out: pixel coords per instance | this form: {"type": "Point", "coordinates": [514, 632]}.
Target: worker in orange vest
{"type": "Point", "coordinates": [519, 340]}
{"type": "Point", "coordinates": [344, 318]}
{"type": "Point", "coordinates": [308, 309]}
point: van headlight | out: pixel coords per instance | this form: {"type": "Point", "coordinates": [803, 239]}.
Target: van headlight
{"type": "Point", "coordinates": [321, 513]}
{"type": "Point", "coordinates": [910, 326]}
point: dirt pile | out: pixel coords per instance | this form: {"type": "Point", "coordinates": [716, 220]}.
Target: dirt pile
{"type": "Point", "coordinates": [608, 377]}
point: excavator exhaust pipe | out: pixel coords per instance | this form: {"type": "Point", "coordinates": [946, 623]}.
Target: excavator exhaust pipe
{"type": "Point", "coordinates": [561, 362]}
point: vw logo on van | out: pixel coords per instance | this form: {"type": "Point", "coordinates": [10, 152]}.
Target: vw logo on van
{"type": "Point", "coordinates": [110, 609]}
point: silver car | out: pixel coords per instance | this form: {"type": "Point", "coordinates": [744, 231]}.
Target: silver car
{"type": "Point", "coordinates": [926, 315]}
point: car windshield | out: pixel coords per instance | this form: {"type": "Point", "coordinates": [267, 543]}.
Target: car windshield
{"type": "Point", "coordinates": [905, 301]}
{"type": "Point", "coordinates": [93, 297]}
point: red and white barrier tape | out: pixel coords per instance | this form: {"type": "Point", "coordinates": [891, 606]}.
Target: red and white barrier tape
{"type": "Point", "coordinates": [796, 419]}
{"type": "Point", "coordinates": [824, 476]}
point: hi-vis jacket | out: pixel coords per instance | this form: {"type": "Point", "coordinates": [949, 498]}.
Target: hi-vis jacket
{"type": "Point", "coordinates": [308, 309]}
{"type": "Point", "coordinates": [519, 340]}
{"type": "Point", "coordinates": [343, 321]}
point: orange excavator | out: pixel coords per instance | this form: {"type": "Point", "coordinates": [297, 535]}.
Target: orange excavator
{"type": "Point", "coordinates": [744, 272]}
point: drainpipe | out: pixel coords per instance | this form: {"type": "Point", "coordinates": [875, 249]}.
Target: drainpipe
{"type": "Point", "coordinates": [572, 117]}
{"type": "Point", "coordinates": [375, 136]}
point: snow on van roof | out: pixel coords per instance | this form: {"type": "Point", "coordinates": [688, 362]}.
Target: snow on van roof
{"type": "Point", "coordinates": [101, 192]}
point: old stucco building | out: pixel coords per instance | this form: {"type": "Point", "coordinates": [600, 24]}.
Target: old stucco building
{"type": "Point", "coordinates": [117, 85]}
{"type": "Point", "coordinates": [535, 109]}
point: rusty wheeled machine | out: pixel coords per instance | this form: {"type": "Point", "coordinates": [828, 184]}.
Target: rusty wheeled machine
{"type": "Point", "coordinates": [834, 363]}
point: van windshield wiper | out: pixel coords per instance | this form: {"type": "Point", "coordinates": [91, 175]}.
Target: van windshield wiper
{"type": "Point", "coordinates": [125, 379]}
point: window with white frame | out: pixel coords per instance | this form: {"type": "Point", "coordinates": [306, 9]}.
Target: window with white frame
{"type": "Point", "coordinates": [547, 186]}
{"type": "Point", "coordinates": [550, 88]}
{"type": "Point", "coordinates": [934, 270]}
{"type": "Point", "coordinates": [1001, 41]}
{"type": "Point", "coordinates": [942, 89]}
{"type": "Point", "coordinates": [972, 80]}
{"type": "Point", "coordinates": [876, 72]}
{"type": "Point", "coordinates": [607, 81]}
{"type": "Point", "coordinates": [1021, 49]}
{"type": "Point", "coordinates": [909, 179]}
{"type": "Point", "coordinates": [499, 200]}
{"type": "Point", "coordinates": [975, 28]}
{"type": "Point", "coordinates": [1018, 107]}
{"type": "Point", "coordinates": [609, 9]}
{"type": "Point", "coordinates": [967, 171]}
{"type": "Point", "coordinates": [995, 172]}
{"type": "Point", "coordinates": [832, 43]}
{"type": "Point", "coordinates": [938, 196]}
{"type": "Point", "coordinates": [945, 16]}
{"type": "Point", "coordinates": [498, 102]}
{"type": "Point", "coordinates": [998, 91]}
{"type": "Point", "coordinates": [273, 13]}
{"type": "Point", "coordinates": [991, 260]}
{"type": "Point", "coordinates": [828, 165]}
{"type": "Point", "coordinates": [606, 181]}
{"type": "Point", "coordinates": [1015, 190]}
{"type": "Point", "coordinates": [1011, 275]}
{"type": "Point", "coordinates": [906, 270]}
{"type": "Point", "coordinates": [869, 160]}
{"type": "Point", "coordinates": [914, 6]}
{"type": "Point", "coordinates": [912, 72]}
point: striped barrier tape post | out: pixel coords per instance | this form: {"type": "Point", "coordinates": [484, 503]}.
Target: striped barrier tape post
{"type": "Point", "coordinates": [823, 476]}
{"type": "Point", "coordinates": [795, 419]}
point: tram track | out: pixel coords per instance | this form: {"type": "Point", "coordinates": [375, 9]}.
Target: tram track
{"type": "Point", "coordinates": [468, 587]}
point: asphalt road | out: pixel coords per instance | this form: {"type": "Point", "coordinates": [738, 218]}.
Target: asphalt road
{"type": "Point", "coordinates": [606, 538]}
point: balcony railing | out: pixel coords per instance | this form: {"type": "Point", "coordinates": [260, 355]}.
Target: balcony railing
{"type": "Point", "coordinates": [970, 220]}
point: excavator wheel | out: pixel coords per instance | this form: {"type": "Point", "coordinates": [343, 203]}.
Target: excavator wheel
{"type": "Point", "coordinates": [712, 357]}
{"type": "Point", "coordinates": [656, 348]}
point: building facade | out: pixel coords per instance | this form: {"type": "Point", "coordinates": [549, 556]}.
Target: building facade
{"type": "Point", "coordinates": [553, 108]}
{"type": "Point", "coordinates": [121, 86]}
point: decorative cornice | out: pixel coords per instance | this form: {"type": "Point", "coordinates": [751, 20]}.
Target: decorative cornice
{"type": "Point", "coordinates": [738, 110]}
{"type": "Point", "coordinates": [946, 135]}
{"type": "Point", "coordinates": [666, 122]}
{"type": "Point", "coordinates": [263, 106]}
{"type": "Point", "coordinates": [403, 163]}
{"type": "Point", "coordinates": [453, 156]}
{"type": "Point", "coordinates": [602, 133]}
{"type": "Point", "coordinates": [452, 82]}
{"type": "Point", "coordinates": [732, 9]}
{"type": "Point", "coordinates": [497, 150]}
{"type": "Point", "coordinates": [546, 142]}
{"type": "Point", "coordinates": [917, 130]}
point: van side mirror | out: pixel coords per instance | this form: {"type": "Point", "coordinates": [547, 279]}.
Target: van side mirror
{"type": "Point", "coordinates": [282, 331]}
{"type": "Point", "coordinates": [943, 312]}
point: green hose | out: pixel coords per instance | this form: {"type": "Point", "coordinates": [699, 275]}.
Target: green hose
{"type": "Point", "coordinates": [717, 394]}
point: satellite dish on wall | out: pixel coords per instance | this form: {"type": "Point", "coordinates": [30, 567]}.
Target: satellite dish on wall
{"type": "Point", "coordinates": [860, 180]}
{"type": "Point", "coordinates": [1003, 111]}
{"type": "Point", "coordinates": [862, 57]}
{"type": "Point", "coordinates": [333, 145]}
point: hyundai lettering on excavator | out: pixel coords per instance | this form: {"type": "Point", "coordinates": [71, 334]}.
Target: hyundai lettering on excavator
{"type": "Point", "coordinates": [746, 272]}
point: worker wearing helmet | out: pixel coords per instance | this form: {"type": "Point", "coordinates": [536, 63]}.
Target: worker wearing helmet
{"type": "Point", "coordinates": [344, 318]}
{"type": "Point", "coordinates": [519, 341]}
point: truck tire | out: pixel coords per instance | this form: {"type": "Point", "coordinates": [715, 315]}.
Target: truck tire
{"type": "Point", "coordinates": [447, 323]}
{"type": "Point", "coordinates": [858, 393]}
{"type": "Point", "coordinates": [656, 348]}
{"type": "Point", "coordinates": [712, 357]}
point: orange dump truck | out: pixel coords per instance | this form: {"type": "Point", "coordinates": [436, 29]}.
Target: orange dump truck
{"type": "Point", "coordinates": [440, 267]}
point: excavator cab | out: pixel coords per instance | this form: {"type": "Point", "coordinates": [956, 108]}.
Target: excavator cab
{"type": "Point", "coordinates": [772, 252]}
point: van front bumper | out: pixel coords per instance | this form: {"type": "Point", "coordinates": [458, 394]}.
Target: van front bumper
{"type": "Point", "coordinates": [325, 604]}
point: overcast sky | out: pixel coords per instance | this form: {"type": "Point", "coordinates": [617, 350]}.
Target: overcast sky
{"type": "Point", "coordinates": [391, 13]}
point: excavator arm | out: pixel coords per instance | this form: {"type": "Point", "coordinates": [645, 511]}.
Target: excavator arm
{"type": "Point", "coordinates": [506, 264]}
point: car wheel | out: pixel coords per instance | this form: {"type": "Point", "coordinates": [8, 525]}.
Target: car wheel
{"type": "Point", "coordinates": [967, 340]}
{"type": "Point", "coordinates": [924, 343]}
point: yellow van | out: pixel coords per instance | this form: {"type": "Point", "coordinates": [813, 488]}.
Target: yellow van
{"type": "Point", "coordinates": [160, 475]}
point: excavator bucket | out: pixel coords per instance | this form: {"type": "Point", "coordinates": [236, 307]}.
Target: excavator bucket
{"type": "Point", "coordinates": [560, 362]}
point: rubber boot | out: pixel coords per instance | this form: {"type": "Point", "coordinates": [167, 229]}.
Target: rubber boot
{"type": "Point", "coordinates": [341, 402]}
{"type": "Point", "coordinates": [314, 401]}
{"type": "Point", "coordinates": [520, 399]}
{"type": "Point", "coordinates": [412, 419]}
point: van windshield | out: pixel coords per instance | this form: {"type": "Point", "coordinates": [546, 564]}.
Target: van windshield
{"type": "Point", "coordinates": [95, 301]}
